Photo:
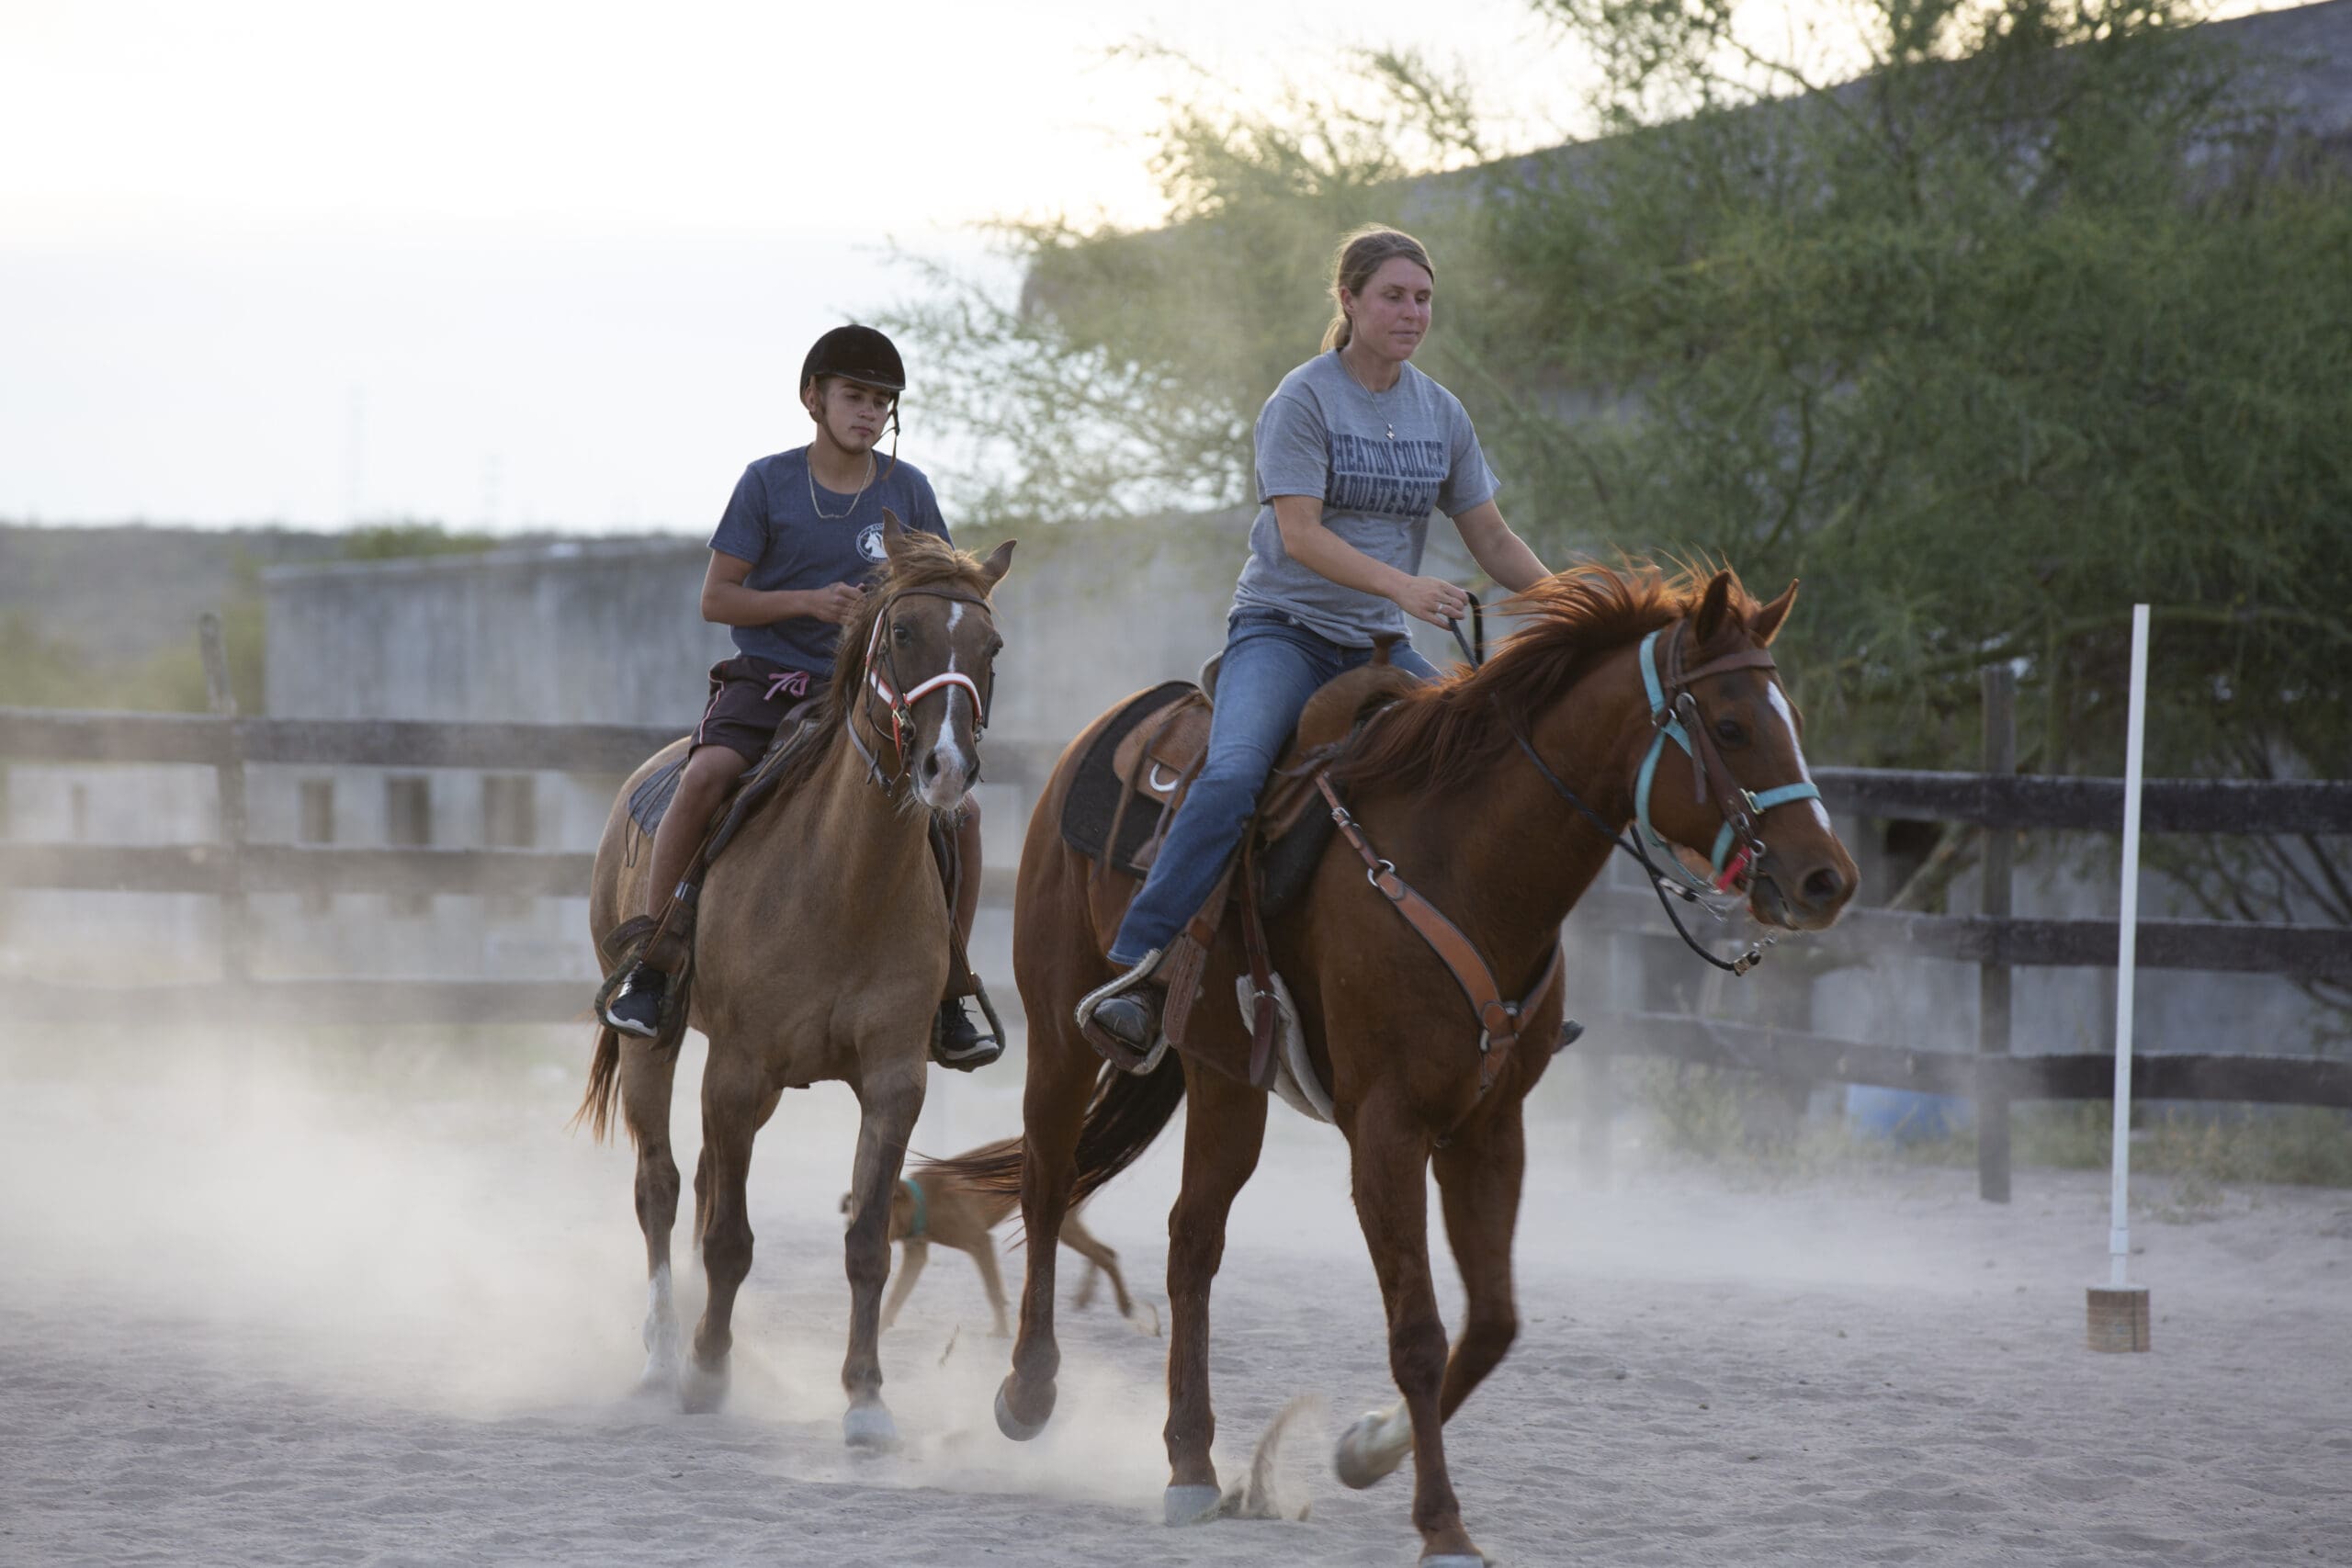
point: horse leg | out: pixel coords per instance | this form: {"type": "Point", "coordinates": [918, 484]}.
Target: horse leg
{"type": "Point", "coordinates": [646, 1081]}
{"type": "Point", "coordinates": [984, 1256]}
{"type": "Point", "coordinates": [1102, 1262]}
{"type": "Point", "coordinates": [1053, 1107]}
{"type": "Point", "coordinates": [731, 1107]}
{"type": "Point", "coordinates": [889, 1098]}
{"type": "Point", "coordinates": [913, 1255]}
{"type": "Point", "coordinates": [1225, 1127]}
{"type": "Point", "coordinates": [1478, 1186]}
{"type": "Point", "coordinates": [1391, 1153]}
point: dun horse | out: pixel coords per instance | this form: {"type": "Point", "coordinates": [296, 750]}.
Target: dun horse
{"type": "Point", "coordinates": [1479, 791]}
{"type": "Point", "coordinates": [821, 951]}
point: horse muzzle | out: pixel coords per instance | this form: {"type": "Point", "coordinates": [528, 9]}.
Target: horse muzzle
{"type": "Point", "coordinates": [1807, 897]}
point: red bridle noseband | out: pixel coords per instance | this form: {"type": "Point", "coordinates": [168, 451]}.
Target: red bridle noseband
{"type": "Point", "coordinates": [882, 681]}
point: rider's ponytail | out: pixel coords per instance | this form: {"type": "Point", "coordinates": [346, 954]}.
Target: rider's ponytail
{"type": "Point", "coordinates": [1359, 255]}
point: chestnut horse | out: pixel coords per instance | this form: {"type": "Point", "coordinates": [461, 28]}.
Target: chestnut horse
{"type": "Point", "coordinates": [1467, 790]}
{"type": "Point", "coordinates": [820, 952]}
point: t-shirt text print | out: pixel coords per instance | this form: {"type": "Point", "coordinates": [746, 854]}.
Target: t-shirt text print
{"type": "Point", "coordinates": [1389, 479]}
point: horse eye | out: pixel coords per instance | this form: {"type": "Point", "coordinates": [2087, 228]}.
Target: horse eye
{"type": "Point", "coordinates": [1729, 731]}
{"type": "Point", "coordinates": [901, 636]}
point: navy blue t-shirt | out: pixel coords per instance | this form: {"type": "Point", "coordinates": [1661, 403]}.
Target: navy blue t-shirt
{"type": "Point", "coordinates": [771, 524]}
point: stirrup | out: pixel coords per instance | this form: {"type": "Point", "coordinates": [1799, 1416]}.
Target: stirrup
{"type": "Point", "coordinates": [1112, 1049]}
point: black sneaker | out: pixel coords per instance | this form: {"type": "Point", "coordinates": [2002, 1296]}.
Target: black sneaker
{"type": "Point", "coordinates": [956, 1043]}
{"type": "Point", "coordinates": [636, 1008]}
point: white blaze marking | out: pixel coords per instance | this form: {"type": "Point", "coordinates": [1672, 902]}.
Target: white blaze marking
{"type": "Point", "coordinates": [953, 753]}
{"type": "Point", "coordinates": [1780, 706]}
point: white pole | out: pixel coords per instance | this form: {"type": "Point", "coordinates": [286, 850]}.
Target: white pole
{"type": "Point", "coordinates": [2118, 1231]}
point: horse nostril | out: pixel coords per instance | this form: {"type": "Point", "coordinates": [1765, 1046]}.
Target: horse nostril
{"type": "Point", "coordinates": [1824, 887]}
{"type": "Point", "coordinates": [931, 767]}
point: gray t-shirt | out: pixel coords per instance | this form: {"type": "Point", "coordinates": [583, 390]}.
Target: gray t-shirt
{"type": "Point", "coordinates": [1380, 463]}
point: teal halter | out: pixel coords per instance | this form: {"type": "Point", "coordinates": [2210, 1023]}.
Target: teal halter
{"type": "Point", "coordinates": [922, 1213]}
{"type": "Point", "coordinates": [1737, 847]}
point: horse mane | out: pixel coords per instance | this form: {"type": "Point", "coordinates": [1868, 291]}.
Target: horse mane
{"type": "Point", "coordinates": [1444, 734]}
{"type": "Point", "coordinates": [924, 560]}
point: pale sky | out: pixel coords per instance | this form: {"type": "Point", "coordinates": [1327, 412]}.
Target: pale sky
{"type": "Point", "coordinates": [546, 265]}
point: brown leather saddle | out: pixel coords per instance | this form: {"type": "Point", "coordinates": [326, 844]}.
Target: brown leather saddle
{"type": "Point", "coordinates": [1136, 772]}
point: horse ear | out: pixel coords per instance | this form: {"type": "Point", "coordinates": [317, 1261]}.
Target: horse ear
{"type": "Point", "coordinates": [1000, 561]}
{"type": "Point", "coordinates": [1766, 624]}
{"type": "Point", "coordinates": [894, 534]}
{"type": "Point", "coordinates": [1713, 609]}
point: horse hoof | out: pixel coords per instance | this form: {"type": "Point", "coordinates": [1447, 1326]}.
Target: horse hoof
{"type": "Point", "coordinates": [1192, 1505]}
{"type": "Point", "coordinates": [869, 1426]}
{"type": "Point", "coordinates": [1012, 1425]}
{"type": "Point", "coordinates": [1456, 1560]}
{"type": "Point", "coordinates": [1372, 1448]}
{"type": "Point", "coordinates": [703, 1390]}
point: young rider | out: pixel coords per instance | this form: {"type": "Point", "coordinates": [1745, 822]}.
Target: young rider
{"type": "Point", "coordinates": [788, 563]}
{"type": "Point", "coordinates": [1355, 449]}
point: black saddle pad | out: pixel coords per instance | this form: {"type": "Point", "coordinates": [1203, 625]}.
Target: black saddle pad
{"type": "Point", "coordinates": [1283, 867]}
{"type": "Point", "coordinates": [648, 801]}
{"type": "Point", "coordinates": [1093, 797]}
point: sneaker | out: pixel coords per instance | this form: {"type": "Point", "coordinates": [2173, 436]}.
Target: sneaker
{"type": "Point", "coordinates": [956, 1043]}
{"type": "Point", "coordinates": [636, 1008]}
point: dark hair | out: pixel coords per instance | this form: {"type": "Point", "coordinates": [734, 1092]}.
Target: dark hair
{"type": "Point", "coordinates": [1359, 255]}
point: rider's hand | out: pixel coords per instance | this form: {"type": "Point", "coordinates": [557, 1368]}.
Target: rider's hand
{"type": "Point", "coordinates": [1433, 599]}
{"type": "Point", "coordinates": [835, 603]}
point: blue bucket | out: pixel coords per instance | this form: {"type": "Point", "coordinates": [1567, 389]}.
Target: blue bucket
{"type": "Point", "coordinates": [1903, 1115]}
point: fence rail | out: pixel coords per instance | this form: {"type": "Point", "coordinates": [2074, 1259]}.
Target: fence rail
{"type": "Point", "coordinates": [1997, 941]}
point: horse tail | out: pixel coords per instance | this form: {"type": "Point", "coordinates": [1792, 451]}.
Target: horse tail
{"type": "Point", "coordinates": [603, 1085]}
{"type": "Point", "coordinates": [1125, 1114]}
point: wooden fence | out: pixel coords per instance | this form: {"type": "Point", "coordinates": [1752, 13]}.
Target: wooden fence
{"type": "Point", "coordinates": [233, 868]}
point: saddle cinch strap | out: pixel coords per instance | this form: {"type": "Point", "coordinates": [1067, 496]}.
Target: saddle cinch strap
{"type": "Point", "coordinates": [1498, 1021]}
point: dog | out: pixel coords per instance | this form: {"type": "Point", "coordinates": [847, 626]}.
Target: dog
{"type": "Point", "coordinates": [931, 1204]}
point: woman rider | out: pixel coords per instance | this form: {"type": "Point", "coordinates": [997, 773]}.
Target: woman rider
{"type": "Point", "coordinates": [1355, 449]}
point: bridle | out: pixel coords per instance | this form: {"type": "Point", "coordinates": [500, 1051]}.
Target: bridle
{"type": "Point", "coordinates": [1674, 714]}
{"type": "Point", "coordinates": [881, 680]}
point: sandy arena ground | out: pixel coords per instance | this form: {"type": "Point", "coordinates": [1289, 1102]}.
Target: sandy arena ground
{"type": "Point", "coordinates": [261, 1306]}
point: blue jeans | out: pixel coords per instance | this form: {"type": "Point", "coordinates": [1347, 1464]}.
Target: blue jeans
{"type": "Point", "coordinates": [1271, 665]}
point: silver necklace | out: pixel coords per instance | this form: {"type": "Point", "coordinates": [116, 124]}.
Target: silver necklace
{"type": "Point", "coordinates": [1386, 422]}
{"type": "Point", "coordinates": [808, 461]}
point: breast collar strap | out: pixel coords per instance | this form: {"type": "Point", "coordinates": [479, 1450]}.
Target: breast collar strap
{"type": "Point", "coordinates": [1498, 1021]}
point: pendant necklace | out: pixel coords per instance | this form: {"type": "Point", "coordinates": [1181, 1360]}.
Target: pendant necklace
{"type": "Point", "coordinates": [1386, 422]}
{"type": "Point", "coordinates": [808, 461]}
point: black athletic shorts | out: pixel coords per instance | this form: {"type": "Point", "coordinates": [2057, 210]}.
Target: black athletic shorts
{"type": "Point", "coordinates": [750, 699]}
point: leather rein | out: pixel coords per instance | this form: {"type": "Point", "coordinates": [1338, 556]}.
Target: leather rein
{"type": "Point", "coordinates": [1674, 712]}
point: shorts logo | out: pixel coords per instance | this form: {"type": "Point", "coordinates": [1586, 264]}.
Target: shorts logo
{"type": "Point", "coordinates": [869, 542]}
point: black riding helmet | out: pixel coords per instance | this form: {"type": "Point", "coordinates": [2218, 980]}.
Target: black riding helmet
{"type": "Point", "coordinates": [856, 354]}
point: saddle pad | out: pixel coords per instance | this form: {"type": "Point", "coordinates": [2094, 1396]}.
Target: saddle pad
{"type": "Point", "coordinates": [648, 801]}
{"type": "Point", "coordinates": [1093, 797]}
